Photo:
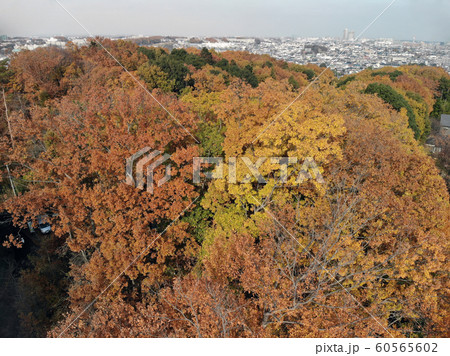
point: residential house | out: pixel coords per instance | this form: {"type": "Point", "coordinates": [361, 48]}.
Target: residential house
{"type": "Point", "coordinates": [445, 125]}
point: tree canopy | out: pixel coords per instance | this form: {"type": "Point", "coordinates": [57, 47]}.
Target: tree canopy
{"type": "Point", "coordinates": [361, 253]}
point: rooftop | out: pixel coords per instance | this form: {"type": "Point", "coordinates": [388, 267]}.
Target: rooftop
{"type": "Point", "coordinates": [445, 120]}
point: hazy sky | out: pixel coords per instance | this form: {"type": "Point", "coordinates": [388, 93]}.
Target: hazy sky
{"type": "Point", "coordinates": [425, 19]}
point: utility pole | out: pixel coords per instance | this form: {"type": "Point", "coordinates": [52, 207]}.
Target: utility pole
{"type": "Point", "coordinates": [12, 142]}
{"type": "Point", "coordinates": [7, 119]}
{"type": "Point", "coordinates": [11, 181]}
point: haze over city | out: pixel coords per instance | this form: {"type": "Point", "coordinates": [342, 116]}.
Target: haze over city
{"type": "Point", "coordinates": [406, 19]}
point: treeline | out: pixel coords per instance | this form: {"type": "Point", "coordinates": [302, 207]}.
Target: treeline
{"type": "Point", "coordinates": [176, 64]}
{"type": "Point", "coordinates": [419, 90]}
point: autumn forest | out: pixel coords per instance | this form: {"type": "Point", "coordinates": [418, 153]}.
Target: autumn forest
{"type": "Point", "coordinates": [362, 253]}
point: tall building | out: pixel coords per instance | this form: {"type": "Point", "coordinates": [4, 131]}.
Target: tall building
{"type": "Point", "coordinates": [345, 38]}
{"type": "Point", "coordinates": [351, 35]}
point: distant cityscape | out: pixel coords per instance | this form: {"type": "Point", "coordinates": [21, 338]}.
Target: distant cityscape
{"type": "Point", "coordinates": [346, 54]}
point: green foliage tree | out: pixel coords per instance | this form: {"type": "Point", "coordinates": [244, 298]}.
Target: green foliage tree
{"type": "Point", "coordinates": [345, 81]}
{"type": "Point", "coordinates": [310, 74]}
{"type": "Point", "coordinates": [396, 100]}
{"type": "Point", "coordinates": [211, 136]}
{"type": "Point", "coordinates": [442, 104]}
{"type": "Point", "coordinates": [245, 73]}
{"type": "Point", "coordinates": [207, 56]}
{"type": "Point", "coordinates": [293, 82]}
{"type": "Point", "coordinates": [392, 75]}
{"type": "Point", "coordinates": [155, 77]}
{"type": "Point", "coordinates": [5, 72]}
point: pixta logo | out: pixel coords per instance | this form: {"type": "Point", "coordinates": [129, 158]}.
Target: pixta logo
{"type": "Point", "coordinates": [143, 158]}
